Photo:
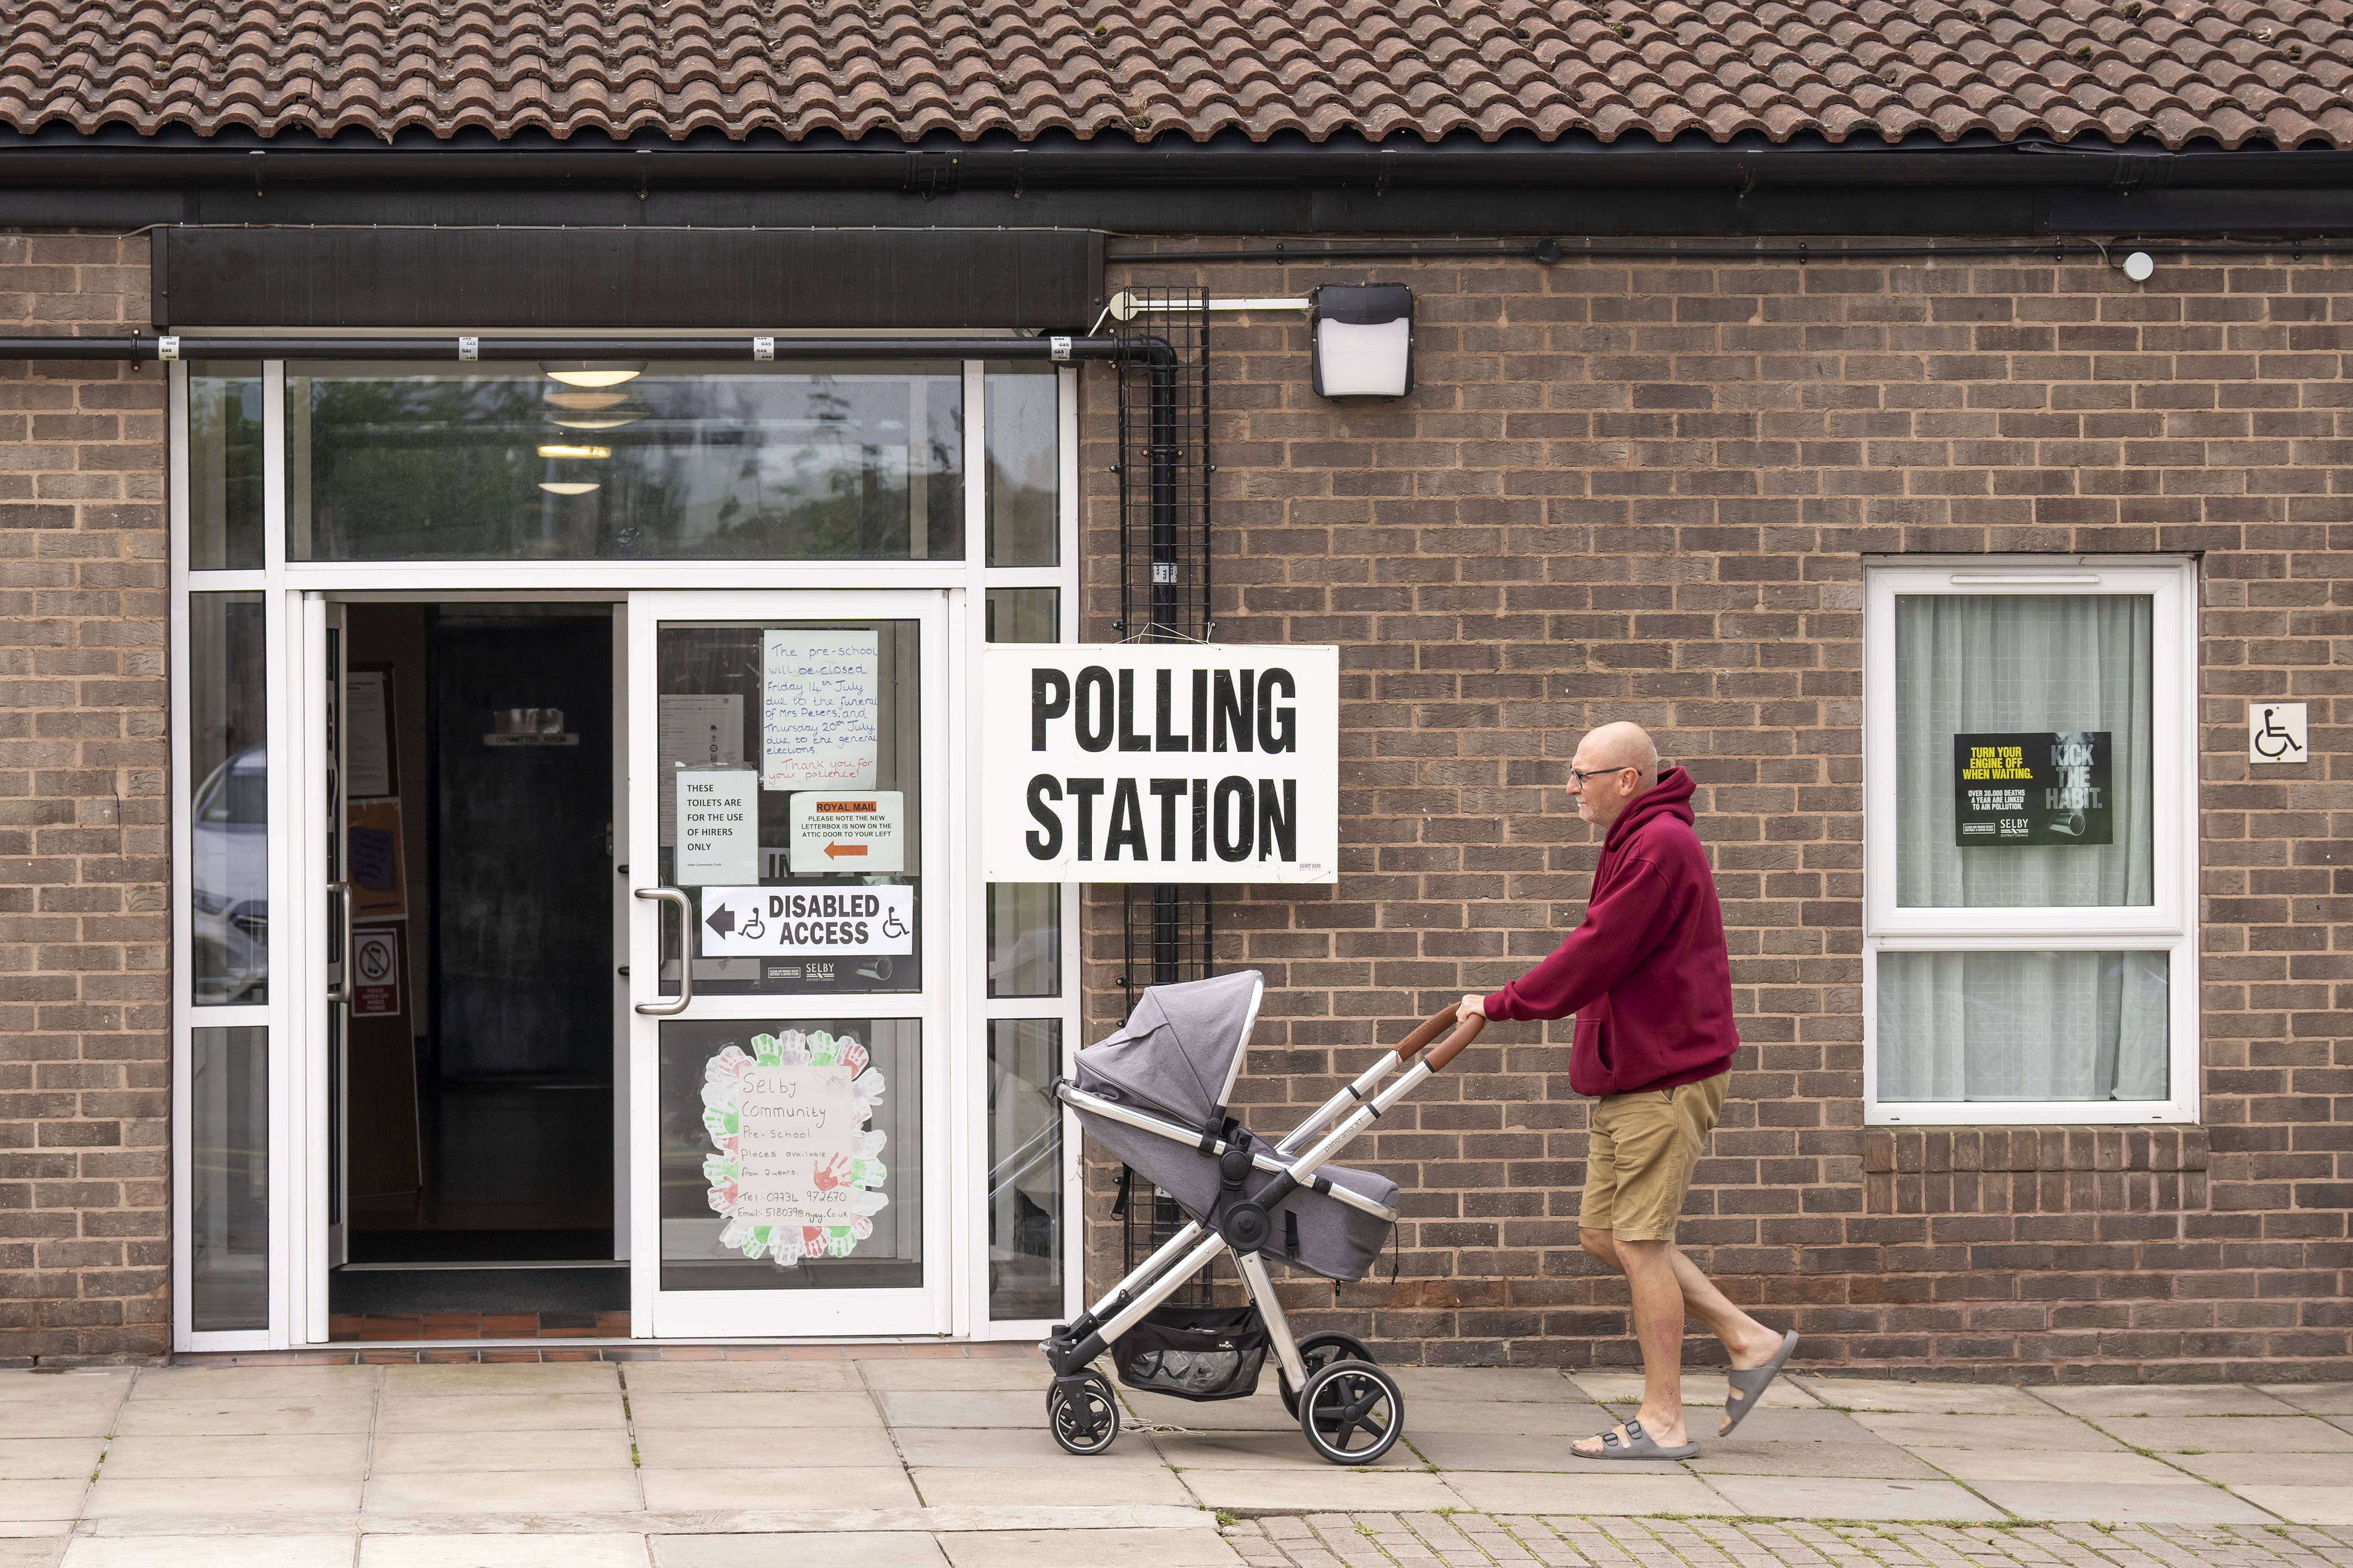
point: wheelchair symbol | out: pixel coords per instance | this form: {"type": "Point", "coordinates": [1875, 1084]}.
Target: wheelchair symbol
{"type": "Point", "coordinates": [754, 928]}
{"type": "Point", "coordinates": [891, 926]}
{"type": "Point", "coordinates": [2273, 742]}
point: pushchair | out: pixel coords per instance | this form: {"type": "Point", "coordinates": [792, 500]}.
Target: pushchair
{"type": "Point", "coordinates": [1155, 1094]}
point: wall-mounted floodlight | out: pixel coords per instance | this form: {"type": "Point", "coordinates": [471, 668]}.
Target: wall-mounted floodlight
{"type": "Point", "coordinates": [2140, 266]}
{"type": "Point", "coordinates": [1363, 339]}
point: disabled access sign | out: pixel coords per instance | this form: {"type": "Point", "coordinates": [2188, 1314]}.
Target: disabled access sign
{"type": "Point", "coordinates": [807, 922]}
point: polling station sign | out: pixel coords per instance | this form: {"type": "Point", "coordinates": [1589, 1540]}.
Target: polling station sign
{"type": "Point", "coordinates": [1160, 762]}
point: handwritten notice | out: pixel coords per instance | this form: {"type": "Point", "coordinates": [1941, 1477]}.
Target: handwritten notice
{"type": "Point", "coordinates": [820, 708]}
{"type": "Point", "coordinates": [797, 1125]}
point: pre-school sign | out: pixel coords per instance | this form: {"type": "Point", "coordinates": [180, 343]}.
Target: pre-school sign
{"type": "Point", "coordinates": [1159, 763]}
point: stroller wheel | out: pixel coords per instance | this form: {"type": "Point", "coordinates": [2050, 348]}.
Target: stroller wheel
{"type": "Point", "coordinates": [1350, 1412]}
{"type": "Point", "coordinates": [1084, 1421]}
{"type": "Point", "coordinates": [1319, 1351]}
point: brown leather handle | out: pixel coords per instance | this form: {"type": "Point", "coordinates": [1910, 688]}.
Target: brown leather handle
{"type": "Point", "coordinates": [1430, 1028]}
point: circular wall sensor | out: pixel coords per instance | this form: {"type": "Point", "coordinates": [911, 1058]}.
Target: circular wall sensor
{"type": "Point", "coordinates": [2140, 266]}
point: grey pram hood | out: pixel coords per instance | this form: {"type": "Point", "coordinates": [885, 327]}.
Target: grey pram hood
{"type": "Point", "coordinates": [1176, 1057]}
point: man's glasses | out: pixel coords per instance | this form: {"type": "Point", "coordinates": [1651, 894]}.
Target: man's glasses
{"type": "Point", "coordinates": [1581, 774]}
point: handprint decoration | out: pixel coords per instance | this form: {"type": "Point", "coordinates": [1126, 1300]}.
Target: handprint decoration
{"type": "Point", "coordinates": [798, 1171]}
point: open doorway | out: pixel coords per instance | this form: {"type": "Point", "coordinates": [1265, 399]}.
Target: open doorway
{"type": "Point", "coordinates": [478, 1098]}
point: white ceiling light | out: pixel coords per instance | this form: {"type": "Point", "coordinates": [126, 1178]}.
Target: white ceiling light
{"type": "Point", "coordinates": [1364, 340]}
{"type": "Point", "coordinates": [567, 487]}
{"type": "Point", "coordinates": [594, 372]}
{"type": "Point", "coordinates": [610, 420]}
{"type": "Point", "coordinates": [585, 400]}
{"type": "Point", "coordinates": [555, 449]}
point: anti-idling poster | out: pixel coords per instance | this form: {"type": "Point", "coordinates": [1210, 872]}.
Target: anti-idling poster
{"type": "Point", "coordinates": [2033, 787]}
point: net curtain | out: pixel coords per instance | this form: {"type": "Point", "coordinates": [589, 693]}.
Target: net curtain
{"type": "Point", "coordinates": [2030, 1024]}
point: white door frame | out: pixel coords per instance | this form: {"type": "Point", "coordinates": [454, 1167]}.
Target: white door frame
{"type": "Point", "coordinates": [799, 1313]}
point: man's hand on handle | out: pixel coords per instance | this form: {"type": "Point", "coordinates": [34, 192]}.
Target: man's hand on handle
{"type": "Point", "coordinates": [1472, 1006]}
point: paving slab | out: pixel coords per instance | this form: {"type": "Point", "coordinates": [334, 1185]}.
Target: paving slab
{"type": "Point", "coordinates": [61, 1421]}
{"type": "Point", "coordinates": [597, 1448]}
{"type": "Point", "coordinates": [1927, 1398]}
{"type": "Point", "coordinates": [1482, 1451]}
{"type": "Point", "coordinates": [2124, 1503]}
{"type": "Point", "coordinates": [2331, 1506]}
{"type": "Point", "coordinates": [1563, 1422]}
{"type": "Point", "coordinates": [243, 1417]}
{"type": "Point", "coordinates": [1974, 1465]}
{"type": "Point", "coordinates": [1744, 1455]}
{"type": "Point", "coordinates": [32, 1501]}
{"type": "Point", "coordinates": [1816, 1425]}
{"type": "Point", "coordinates": [711, 1413]}
{"type": "Point", "coordinates": [965, 1407]}
{"type": "Point", "coordinates": [1261, 1411]}
{"type": "Point", "coordinates": [30, 1551]}
{"type": "Point", "coordinates": [223, 1495]}
{"type": "Point", "coordinates": [49, 1459]}
{"type": "Point", "coordinates": [1201, 1548]}
{"type": "Point", "coordinates": [759, 1447]}
{"type": "Point", "coordinates": [1592, 1491]}
{"type": "Point", "coordinates": [1267, 1450]}
{"type": "Point", "coordinates": [742, 1377]}
{"type": "Point", "coordinates": [877, 1549]}
{"type": "Point", "coordinates": [2320, 1399]}
{"type": "Point", "coordinates": [21, 1389]}
{"type": "Point", "coordinates": [2051, 1431]}
{"type": "Point", "coordinates": [1010, 1374]}
{"type": "Point", "coordinates": [789, 1485]}
{"type": "Point", "coordinates": [1699, 1388]}
{"type": "Point", "coordinates": [517, 1551]}
{"type": "Point", "coordinates": [2240, 1470]}
{"type": "Point", "coordinates": [1326, 1489]}
{"type": "Point", "coordinates": [2230, 1433]}
{"type": "Point", "coordinates": [454, 1413]}
{"type": "Point", "coordinates": [299, 1383]}
{"type": "Point", "coordinates": [1011, 1447]}
{"type": "Point", "coordinates": [610, 1491]}
{"type": "Point", "coordinates": [344, 1454]}
{"type": "Point", "coordinates": [1478, 1383]}
{"type": "Point", "coordinates": [209, 1551]}
{"type": "Point", "coordinates": [1074, 1482]}
{"type": "Point", "coordinates": [501, 1377]}
{"type": "Point", "coordinates": [1781, 1497]}
{"type": "Point", "coordinates": [2095, 1404]}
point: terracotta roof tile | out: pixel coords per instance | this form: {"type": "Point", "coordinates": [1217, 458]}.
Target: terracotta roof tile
{"type": "Point", "coordinates": [2267, 72]}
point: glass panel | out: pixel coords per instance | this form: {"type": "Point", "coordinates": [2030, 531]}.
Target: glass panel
{"type": "Point", "coordinates": [224, 466]}
{"type": "Point", "coordinates": [1025, 615]}
{"type": "Point", "coordinates": [792, 1155]}
{"type": "Point", "coordinates": [675, 463]}
{"type": "Point", "coordinates": [1024, 938]}
{"type": "Point", "coordinates": [228, 1187]}
{"type": "Point", "coordinates": [1024, 466]}
{"type": "Point", "coordinates": [1025, 1169]}
{"type": "Point", "coordinates": [2024, 668]}
{"type": "Point", "coordinates": [797, 748]}
{"type": "Point", "coordinates": [1997, 1026]}
{"type": "Point", "coordinates": [228, 828]}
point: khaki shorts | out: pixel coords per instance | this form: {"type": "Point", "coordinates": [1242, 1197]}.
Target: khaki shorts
{"type": "Point", "coordinates": [1640, 1163]}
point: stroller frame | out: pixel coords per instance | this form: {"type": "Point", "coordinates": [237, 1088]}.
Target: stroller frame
{"type": "Point", "coordinates": [1244, 1227]}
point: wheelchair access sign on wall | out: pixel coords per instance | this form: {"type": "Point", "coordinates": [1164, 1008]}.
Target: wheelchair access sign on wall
{"type": "Point", "coordinates": [807, 922]}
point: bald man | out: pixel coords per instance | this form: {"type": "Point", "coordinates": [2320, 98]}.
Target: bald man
{"type": "Point", "coordinates": [1648, 977]}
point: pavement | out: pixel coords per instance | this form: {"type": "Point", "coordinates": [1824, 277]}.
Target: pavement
{"type": "Point", "coordinates": [882, 1457]}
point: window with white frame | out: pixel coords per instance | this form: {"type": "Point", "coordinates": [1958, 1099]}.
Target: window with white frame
{"type": "Point", "coordinates": [2030, 836]}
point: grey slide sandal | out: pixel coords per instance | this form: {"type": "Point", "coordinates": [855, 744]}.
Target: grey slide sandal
{"type": "Point", "coordinates": [1747, 1388]}
{"type": "Point", "coordinates": [1636, 1445]}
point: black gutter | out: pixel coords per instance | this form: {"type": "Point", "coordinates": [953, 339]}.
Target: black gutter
{"type": "Point", "coordinates": [1553, 252]}
{"type": "Point", "coordinates": [444, 349]}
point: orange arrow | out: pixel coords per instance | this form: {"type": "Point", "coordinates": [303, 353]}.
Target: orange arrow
{"type": "Point", "coordinates": [833, 849]}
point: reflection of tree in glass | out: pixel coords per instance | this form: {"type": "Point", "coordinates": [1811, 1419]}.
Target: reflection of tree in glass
{"type": "Point", "coordinates": [708, 467]}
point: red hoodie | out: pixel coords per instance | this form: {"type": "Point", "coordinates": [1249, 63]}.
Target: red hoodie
{"type": "Point", "coordinates": [1645, 971]}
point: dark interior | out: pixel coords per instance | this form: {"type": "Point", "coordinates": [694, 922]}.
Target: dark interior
{"type": "Point", "coordinates": [507, 1024]}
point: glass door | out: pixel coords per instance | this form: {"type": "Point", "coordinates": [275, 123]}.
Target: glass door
{"type": "Point", "coordinates": [790, 952]}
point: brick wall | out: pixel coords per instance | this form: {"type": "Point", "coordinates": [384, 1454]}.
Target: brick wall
{"type": "Point", "coordinates": [1646, 491]}
{"type": "Point", "coordinates": [85, 1082]}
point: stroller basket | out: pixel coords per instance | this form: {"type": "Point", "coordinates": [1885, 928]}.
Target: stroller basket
{"type": "Point", "coordinates": [1194, 1353]}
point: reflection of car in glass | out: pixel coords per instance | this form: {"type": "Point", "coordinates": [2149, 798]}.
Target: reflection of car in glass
{"type": "Point", "coordinates": [229, 881]}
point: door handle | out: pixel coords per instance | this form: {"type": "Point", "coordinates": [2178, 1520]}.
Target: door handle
{"type": "Point", "coordinates": [341, 990]}
{"type": "Point", "coordinates": [677, 1005]}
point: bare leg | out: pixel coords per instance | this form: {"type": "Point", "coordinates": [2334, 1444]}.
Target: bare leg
{"type": "Point", "coordinates": [1748, 1341]}
{"type": "Point", "coordinates": [1658, 1326]}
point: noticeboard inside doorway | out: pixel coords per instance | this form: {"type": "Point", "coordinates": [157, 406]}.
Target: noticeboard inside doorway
{"type": "Point", "coordinates": [2033, 787]}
